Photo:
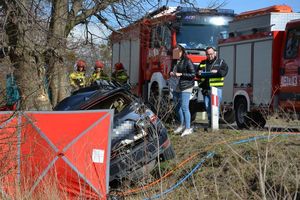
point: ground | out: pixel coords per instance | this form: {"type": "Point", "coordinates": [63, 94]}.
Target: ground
{"type": "Point", "coordinates": [228, 164]}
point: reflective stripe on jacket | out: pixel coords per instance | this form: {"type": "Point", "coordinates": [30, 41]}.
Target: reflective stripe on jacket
{"type": "Point", "coordinates": [120, 76]}
{"type": "Point", "coordinates": [98, 76]}
{"type": "Point", "coordinates": [216, 82]}
{"type": "Point", "coordinates": [77, 79]}
{"type": "Point", "coordinates": [201, 68]}
{"type": "Point", "coordinates": [218, 79]}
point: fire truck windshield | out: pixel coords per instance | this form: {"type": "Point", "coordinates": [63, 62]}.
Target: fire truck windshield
{"type": "Point", "coordinates": [199, 32]}
{"type": "Point", "coordinates": [200, 36]}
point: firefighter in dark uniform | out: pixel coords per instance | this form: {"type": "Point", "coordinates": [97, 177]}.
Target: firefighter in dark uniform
{"type": "Point", "coordinates": [77, 78]}
{"type": "Point", "coordinates": [218, 70]}
{"type": "Point", "coordinates": [119, 74]}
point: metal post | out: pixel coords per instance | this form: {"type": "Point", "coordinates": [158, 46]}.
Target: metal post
{"type": "Point", "coordinates": [214, 108]}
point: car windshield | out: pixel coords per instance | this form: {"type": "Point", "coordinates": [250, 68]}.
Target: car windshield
{"type": "Point", "coordinates": [200, 36]}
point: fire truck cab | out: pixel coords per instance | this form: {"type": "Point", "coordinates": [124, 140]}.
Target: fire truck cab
{"type": "Point", "coordinates": [264, 69]}
{"type": "Point", "coordinates": [289, 92]}
{"type": "Point", "coordinates": [146, 46]}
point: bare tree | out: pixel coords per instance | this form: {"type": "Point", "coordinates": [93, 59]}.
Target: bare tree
{"type": "Point", "coordinates": [37, 32]}
{"type": "Point", "coordinates": [25, 55]}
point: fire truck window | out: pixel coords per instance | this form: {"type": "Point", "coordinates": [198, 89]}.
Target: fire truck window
{"type": "Point", "coordinates": [160, 36]}
{"type": "Point", "coordinates": [167, 38]}
{"type": "Point", "coordinates": [156, 37]}
{"type": "Point", "coordinates": [292, 43]}
{"type": "Point", "coordinates": [152, 38]}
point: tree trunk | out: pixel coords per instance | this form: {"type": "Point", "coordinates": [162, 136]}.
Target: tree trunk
{"type": "Point", "coordinates": [58, 77]}
{"type": "Point", "coordinates": [29, 71]}
{"type": "Point", "coordinates": [56, 43]}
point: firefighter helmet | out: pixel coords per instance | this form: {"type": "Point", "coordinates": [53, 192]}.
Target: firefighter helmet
{"type": "Point", "coordinates": [81, 63]}
{"type": "Point", "coordinates": [99, 64]}
{"type": "Point", "coordinates": [119, 66]}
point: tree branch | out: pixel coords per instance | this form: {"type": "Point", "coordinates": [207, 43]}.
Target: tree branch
{"type": "Point", "coordinates": [104, 22]}
{"type": "Point", "coordinates": [89, 12]}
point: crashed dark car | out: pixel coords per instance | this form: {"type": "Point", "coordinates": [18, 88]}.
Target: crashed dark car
{"type": "Point", "coordinates": [139, 138]}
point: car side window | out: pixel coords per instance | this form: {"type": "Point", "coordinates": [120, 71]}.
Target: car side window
{"type": "Point", "coordinates": [117, 102]}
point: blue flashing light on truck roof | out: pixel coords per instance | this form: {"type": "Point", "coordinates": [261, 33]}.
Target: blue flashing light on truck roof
{"type": "Point", "coordinates": [205, 10]}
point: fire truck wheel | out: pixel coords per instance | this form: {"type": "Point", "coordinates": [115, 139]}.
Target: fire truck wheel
{"type": "Point", "coordinates": [193, 115]}
{"type": "Point", "coordinates": [193, 109]}
{"type": "Point", "coordinates": [161, 105]}
{"type": "Point", "coordinates": [153, 98]}
{"type": "Point", "coordinates": [240, 108]}
{"type": "Point", "coordinates": [196, 107]}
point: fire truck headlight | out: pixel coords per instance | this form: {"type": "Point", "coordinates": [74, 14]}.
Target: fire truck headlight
{"type": "Point", "coordinates": [218, 21]}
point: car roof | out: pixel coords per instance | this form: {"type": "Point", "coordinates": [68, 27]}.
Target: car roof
{"type": "Point", "coordinates": [85, 95]}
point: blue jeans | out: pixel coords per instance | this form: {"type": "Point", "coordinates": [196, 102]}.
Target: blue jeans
{"type": "Point", "coordinates": [207, 102]}
{"type": "Point", "coordinates": [182, 102]}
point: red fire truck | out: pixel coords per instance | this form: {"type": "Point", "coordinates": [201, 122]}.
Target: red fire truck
{"type": "Point", "coordinates": [145, 47]}
{"type": "Point", "coordinates": [263, 54]}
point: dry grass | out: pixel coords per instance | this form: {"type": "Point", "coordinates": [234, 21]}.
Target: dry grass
{"type": "Point", "coordinates": [267, 168]}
